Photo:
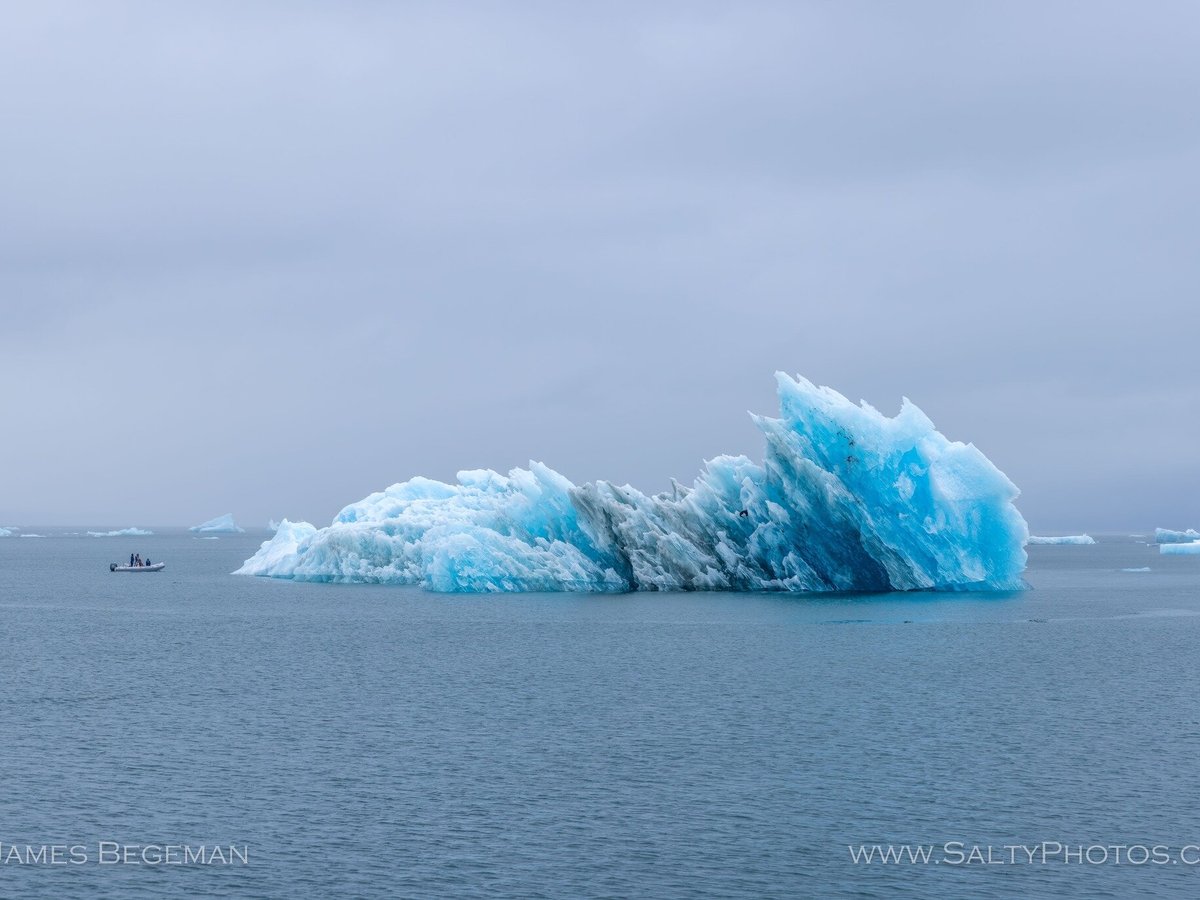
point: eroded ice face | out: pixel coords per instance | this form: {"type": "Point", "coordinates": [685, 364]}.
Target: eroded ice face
{"type": "Point", "coordinates": [846, 499]}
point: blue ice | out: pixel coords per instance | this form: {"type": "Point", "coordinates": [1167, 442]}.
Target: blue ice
{"type": "Point", "coordinates": [846, 499]}
{"type": "Point", "coordinates": [1191, 549]}
{"type": "Point", "coordinates": [1063, 539]}
{"type": "Point", "coordinates": [1167, 536]}
{"type": "Point", "coordinates": [220, 525]}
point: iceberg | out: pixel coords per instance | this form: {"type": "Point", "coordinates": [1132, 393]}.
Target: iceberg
{"type": "Point", "coordinates": [1065, 539]}
{"type": "Point", "coordinates": [5, 532]}
{"type": "Point", "coordinates": [278, 557]}
{"type": "Point", "coordinates": [1167, 536]}
{"type": "Point", "coordinates": [132, 532]}
{"type": "Point", "coordinates": [846, 499]}
{"type": "Point", "coordinates": [1139, 569]}
{"type": "Point", "coordinates": [220, 525]}
{"type": "Point", "coordinates": [1180, 549]}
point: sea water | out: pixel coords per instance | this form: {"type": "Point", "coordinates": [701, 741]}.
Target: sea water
{"type": "Point", "coordinates": [380, 741]}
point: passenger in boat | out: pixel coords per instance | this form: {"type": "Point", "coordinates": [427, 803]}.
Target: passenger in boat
{"type": "Point", "coordinates": [148, 561]}
{"type": "Point", "coordinates": [137, 560]}
{"type": "Point", "coordinates": [131, 560]}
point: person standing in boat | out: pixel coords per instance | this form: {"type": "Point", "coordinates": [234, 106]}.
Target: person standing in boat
{"type": "Point", "coordinates": [131, 560]}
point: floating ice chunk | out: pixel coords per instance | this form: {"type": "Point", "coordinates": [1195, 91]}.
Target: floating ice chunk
{"type": "Point", "coordinates": [5, 532]}
{"type": "Point", "coordinates": [1066, 539]}
{"type": "Point", "coordinates": [132, 532]}
{"type": "Point", "coordinates": [847, 499]}
{"type": "Point", "coordinates": [278, 557]}
{"type": "Point", "coordinates": [1180, 549]}
{"type": "Point", "coordinates": [1142, 569]}
{"type": "Point", "coordinates": [1167, 536]}
{"type": "Point", "coordinates": [221, 524]}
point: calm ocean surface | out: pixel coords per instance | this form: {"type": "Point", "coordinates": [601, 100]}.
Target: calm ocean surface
{"type": "Point", "coordinates": [369, 741]}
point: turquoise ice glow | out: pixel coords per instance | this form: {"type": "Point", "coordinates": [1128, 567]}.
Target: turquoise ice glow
{"type": "Point", "coordinates": [847, 499]}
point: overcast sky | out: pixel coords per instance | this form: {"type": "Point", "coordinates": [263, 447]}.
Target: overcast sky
{"type": "Point", "coordinates": [266, 258]}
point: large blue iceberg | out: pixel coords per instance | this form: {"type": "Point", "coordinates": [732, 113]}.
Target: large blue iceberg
{"type": "Point", "coordinates": [847, 499]}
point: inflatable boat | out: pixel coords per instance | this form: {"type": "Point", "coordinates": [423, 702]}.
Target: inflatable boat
{"type": "Point", "coordinates": [157, 567]}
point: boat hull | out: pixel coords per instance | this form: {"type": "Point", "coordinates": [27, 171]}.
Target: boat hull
{"type": "Point", "coordinates": [157, 567]}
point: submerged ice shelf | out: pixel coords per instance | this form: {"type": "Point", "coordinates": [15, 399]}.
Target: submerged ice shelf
{"type": "Point", "coordinates": [847, 499]}
{"type": "Point", "coordinates": [1180, 549]}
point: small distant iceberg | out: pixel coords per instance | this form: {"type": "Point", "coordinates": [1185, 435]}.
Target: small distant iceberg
{"type": "Point", "coordinates": [1180, 549]}
{"type": "Point", "coordinates": [1141, 569]}
{"type": "Point", "coordinates": [31, 534]}
{"type": "Point", "coordinates": [5, 532]}
{"type": "Point", "coordinates": [1167, 536]}
{"type": "Point", "coordinates": [124, 532]}
{"type": "Point", "coordinates": [220, 525]}
{"type": "Point", "coordinates": [1065, 539]}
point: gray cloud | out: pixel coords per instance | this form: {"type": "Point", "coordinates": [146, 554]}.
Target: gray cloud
{"type": "Point", "coordinates": [323, 248]}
